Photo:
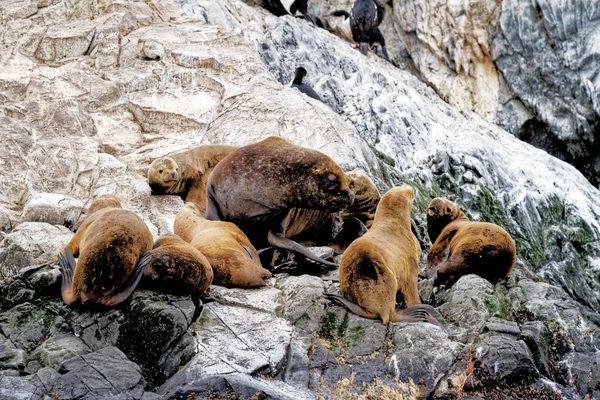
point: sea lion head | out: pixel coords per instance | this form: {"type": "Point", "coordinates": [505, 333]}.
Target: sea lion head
{"type": "Point", "coordinates": [164, 175]}
{"type": "Point", "coordinates": [396, 202]}
{"type": "Point", "coordinates": [330, 186]}
{"type": "Point", "coordinates": [440, 213]}
{"type": "Point", "coordinates": [104, 202]}
{"type": "Point", "coordinates": [366, 194]}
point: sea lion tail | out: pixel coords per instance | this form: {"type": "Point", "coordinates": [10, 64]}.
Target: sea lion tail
{"type": "Point", "coordinates": [355, 308]}
{"type": "Point", "coordinates": [130, 284]}
{"type": "Point", "coordinates": [418, 313]}
{"type": "Point", "coordinates": [66, 261]}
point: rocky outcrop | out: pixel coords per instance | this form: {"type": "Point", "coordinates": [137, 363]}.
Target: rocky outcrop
{"type": "Point", "coordinates": [529, 66]}
{"type": "Point", "coordinates": [90, 94]}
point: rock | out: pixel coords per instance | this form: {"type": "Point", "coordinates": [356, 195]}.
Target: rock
{"type": "Point", "coordinates": [31, 243]}
{"type": "Point", "coordinates": [106, 372]}
{"type": "Point", "coordinates": [543, 51]}
{"type": "Point", "coordinates": [12, 387]}
{"type": "Point", "coordinates": [423, 353]}
{"type": "Point", "coordinates": [505, 359]}
{"type": "Point", "coordinates": [234, 384]}
{"type": "Point", "coordinates": [53, 208]}
{"type": "Point", "coordinates": [470, 302]}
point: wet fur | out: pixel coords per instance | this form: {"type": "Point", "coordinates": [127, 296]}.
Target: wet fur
{"type": "Point", "coordinates": [235, 262]}
{"type": "Point", "coordinates": [466, 247]}
{"type": "Point", "coordinates": [108, 244]}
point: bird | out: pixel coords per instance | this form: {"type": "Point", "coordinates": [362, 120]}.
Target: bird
{"type": "Point", "coordinates": [365, 17]}
{"type": "Point", "coordinates": [376, 39]}
{"type": "Point", "coordinates": [304, 88]}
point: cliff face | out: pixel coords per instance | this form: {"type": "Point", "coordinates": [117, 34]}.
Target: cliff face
{"type": "Point", "coordinates": [91, 92]}
{"type": "Point", "coordinates": [531, 67]}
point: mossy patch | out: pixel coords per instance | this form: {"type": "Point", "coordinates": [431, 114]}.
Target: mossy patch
{"type": "Point", "coordinates": [489, 209]}
{"type": "Point", "coordinates": [496, 305]}
{"type": "Point", "coordinates": [204, 318]}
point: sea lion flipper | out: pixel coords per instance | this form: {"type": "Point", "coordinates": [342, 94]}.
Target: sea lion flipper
{"type": "Point", "coordinates": [355, 308]}
{"type": "Point", "coordinates": [131, 283]}
{"type": "Point", "coordinates": [279, 241]}
{"type": "Point", "coordinates": [418, 313]}
{"type": "Point", "coordinates": [66, 261]}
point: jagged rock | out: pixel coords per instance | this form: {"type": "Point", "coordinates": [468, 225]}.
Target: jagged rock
{"type": "Point", "coordinates": [423, 353]}
{"type": "Point", "coordinates": [31, 243]}
{"type": "Point", "coordinates": [470, 302]}
{"type": "Point", "coordinates": [545, 52]}
{"type": "Point", "coordinates": [106, 372]}
{"type": "Point", "coordinates": [504, 358]}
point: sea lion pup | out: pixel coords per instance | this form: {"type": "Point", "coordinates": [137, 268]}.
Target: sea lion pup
{"type": "Point", "coordinates": [186, 173]}
{"type": "Point", "coordinates": [301, 86]}
{"type": "Point", "coordinates": [234, 260]}
{"type": "Point", "coordinates": [112, 245]}
{"type": "Point", "coordinates": [385, 262]}
{"type": "Point", "coordinates": [365, 17]}
{"type": "Point", "coordinates": [258, 186]}
{"type": "Point", "coordinates": [177, 267]}
{"type": "Point", "coordinates": [462, 247]}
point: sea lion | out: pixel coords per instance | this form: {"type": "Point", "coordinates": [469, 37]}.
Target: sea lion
{"type": "Point", "coordinates": [337, 230]}
{"type": "Point", "coordinates": [177, 267]}
{"type": "Point", "coordinates": [463, 247]}
{"type": "Point", "coordinates": [234, 260]}
{"type": "Point", "coordinates": [186, 173]}
{"type": "Point", "coordinates": [112, 245]}
{"type": "Point", "coordinates": [366, 198]}
{"type": "Point", "coordinates": [257, 187]}
{"type": "Point", "coordinates": [365, 17]}
{"type": "Point", "coordinates": [298, 83]}
{"type": "Point", "coordinates": [385, 262]}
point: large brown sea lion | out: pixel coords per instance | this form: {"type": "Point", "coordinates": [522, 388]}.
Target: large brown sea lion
{"type": "Point", "coordinates": [177, 267]}
{"type": "Point", "coordinates": [112, 245]}
{"type": "Point", "coordinates": [258, 186]}
{"type": "Point", "coordinates": [186, 173]}
{"type": "Point", "coordinates": [463, 247]}
{"type": "Point", "coordinates": [385, 262]}
{"type": "Point", "coordinates": [234, 260]}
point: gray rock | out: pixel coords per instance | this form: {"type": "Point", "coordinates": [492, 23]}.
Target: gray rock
{"type": "Point", "coordinates": [106, 372]}
{"type": "Point", "coordinates": [422, 352]}
{"type": "Point", "coordinates": [470, 302]}
{"type": "Point", "coordinates": [505, 358]}
{"type": "Point", "coordinates": [31, 243]}
{"type": "Point", "coordinates": [241, 385]}
{"type": "Point", "coordinates": [12, 387]}
{"type": "Point", "coordinates": [52, 208]}
{"type": "Point", "coordinates": [545, 52]}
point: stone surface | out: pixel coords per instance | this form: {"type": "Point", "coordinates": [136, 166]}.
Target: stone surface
{"type": "Point", "coordinates": [91, 92]}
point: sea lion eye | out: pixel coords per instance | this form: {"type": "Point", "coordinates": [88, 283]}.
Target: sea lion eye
{"type": "Point", "coordinates": [160, 171]}
{"type": "Point", "coordinates": [448, 210]}
{"type": "Point", "coordinates": [331, 181]}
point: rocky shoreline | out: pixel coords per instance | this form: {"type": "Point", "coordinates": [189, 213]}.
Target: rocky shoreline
{"type": "Point", "coordinates": [91, 92]}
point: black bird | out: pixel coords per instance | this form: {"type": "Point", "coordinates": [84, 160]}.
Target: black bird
{"type": "Point", "coordinates": [377, 39]}
{"type": "Point", "coordinates": [365, 17]}
{"type": "Point", "coordinates": [304, 88]}
{"type": "Point", "coordinates": [294, 6]}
